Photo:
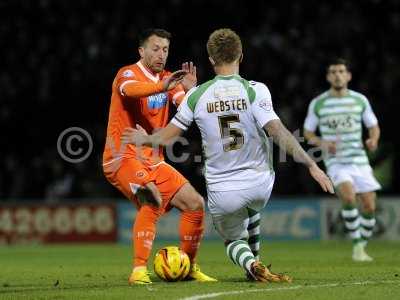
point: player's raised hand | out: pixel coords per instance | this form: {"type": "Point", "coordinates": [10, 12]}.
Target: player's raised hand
{"type": "Point", "coordinates": [190, 79]}
{"type": "Point", "coordinates": [173, 80]}
{"type": "Point", "coordinates": [320, 177]}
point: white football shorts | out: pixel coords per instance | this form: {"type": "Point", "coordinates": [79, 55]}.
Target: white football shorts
{"type": "Point", "coordinates": [360, 176]}
{"type": "Point", "coordinates": [229, 208]}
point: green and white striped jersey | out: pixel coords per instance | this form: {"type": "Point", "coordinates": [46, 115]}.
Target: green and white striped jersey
{"type": "Point", "coordinates": [340, 119]}
{"type": "Point", "coordinates": [230, 113]}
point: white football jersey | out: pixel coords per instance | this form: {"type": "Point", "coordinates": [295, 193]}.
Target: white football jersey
{"type": "Point", "coordinates": [340, 119]}
{"type": "Point", "coordinates": [230, 113]}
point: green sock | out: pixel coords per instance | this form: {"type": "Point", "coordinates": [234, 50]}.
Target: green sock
{"type": "Point", "coordinates": [367, 222]}
{"type": "Point", "coordinates": [240, 253]}
{"type": "Point", "coordinates": [351, 219]}
{"type": "Point", "coordinates": [254, 232]}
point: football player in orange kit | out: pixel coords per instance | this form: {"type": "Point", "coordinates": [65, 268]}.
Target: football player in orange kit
{"type": "Point", "coordinates": [141, 95]}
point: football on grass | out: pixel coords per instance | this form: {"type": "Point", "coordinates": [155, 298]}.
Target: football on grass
{"type": "Point", "coordinates": [171, 264]}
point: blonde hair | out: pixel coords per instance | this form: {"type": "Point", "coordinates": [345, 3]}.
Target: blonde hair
{"type": "Point", "coordinates": [224, 46]}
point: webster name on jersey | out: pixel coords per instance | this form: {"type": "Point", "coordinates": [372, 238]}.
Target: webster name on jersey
{"type": "Point", "coordinates": [227, 105]}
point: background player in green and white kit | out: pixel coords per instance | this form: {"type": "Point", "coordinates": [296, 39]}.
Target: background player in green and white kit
{"type": "Point", "coordinates": [339, 114]}
{"type": "Point", "coordinates": [233, 115]}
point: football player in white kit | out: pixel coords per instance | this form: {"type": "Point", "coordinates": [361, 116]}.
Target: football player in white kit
{"type": "Point", "coordinates": [339, 114]}
{"type": "Point", "coordinates": [233, 115]}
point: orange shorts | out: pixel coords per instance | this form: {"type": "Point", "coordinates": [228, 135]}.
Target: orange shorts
{"type": "Point", "coordinates": [132, 174]}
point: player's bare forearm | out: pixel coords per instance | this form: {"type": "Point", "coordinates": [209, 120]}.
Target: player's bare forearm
{"type": "Point", "coordinates": [139, 136]}
{"type": "Point", "coordinates": [287, 142]}
{"type": "Point", "coordinates": [372, 142]}
{"type": "Point", "coordinates": [165, 136]}
{"type": "Point", "coordinates": [374, 133]}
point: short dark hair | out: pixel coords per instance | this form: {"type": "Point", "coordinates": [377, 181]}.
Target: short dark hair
{"type": "Point", "coordinates": [145, 34]}
{"type": "Point", "coordinates": [338, 61]}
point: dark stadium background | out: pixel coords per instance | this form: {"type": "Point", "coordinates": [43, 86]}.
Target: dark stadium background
{"type": "Point", "coordinates": [58, 60]}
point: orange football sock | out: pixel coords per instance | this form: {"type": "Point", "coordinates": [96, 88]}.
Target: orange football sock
{"type": "Point", "coordinates": [191, 231]}
{"type": "Point", "coordinates": [144, 231]}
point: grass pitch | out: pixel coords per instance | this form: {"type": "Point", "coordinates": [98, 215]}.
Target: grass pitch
{"type": "Point", "coordinates": [321, 270]}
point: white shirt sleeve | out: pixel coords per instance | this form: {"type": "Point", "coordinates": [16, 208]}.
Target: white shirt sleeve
{"type": "Point", "coordinates": [311, 121]}
{"type": "Point", "coordinates": [261, 107]}
{"type": "Point", "coordinates": [368, 115]}
{"type": "Point", "coordinates": [184, 117]}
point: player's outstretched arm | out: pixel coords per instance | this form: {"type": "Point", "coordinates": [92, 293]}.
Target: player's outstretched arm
{"type": "Point", "coordinates": [287, 142]}
{"type": "Point", "coordinates": [137, 89]}
{"type": "Point", "coordinates": [174, 79]}
{"type": "Point", "coordinates": [139, 136]}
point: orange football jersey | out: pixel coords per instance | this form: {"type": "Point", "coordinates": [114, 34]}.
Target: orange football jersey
{"type": "Point", "coordinates": [150, 112]}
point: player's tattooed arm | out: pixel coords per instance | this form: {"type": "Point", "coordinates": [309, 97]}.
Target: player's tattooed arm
{"type": "Point", "coordinates": [287, 142]}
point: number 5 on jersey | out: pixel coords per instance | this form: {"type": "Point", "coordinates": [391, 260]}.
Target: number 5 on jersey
{"type": "Point", "coordinates": [235, 135]}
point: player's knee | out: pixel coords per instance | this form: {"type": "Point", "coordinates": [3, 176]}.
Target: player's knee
{"type": "Point", "coordinates": [368, 202]}
{"type": "Point", "coordinates": [369, 207]}
{"type": "Point", "coordinates": [193, 203]}
{"type": "Point", "coordinates": [348, 198]}
{"type": "Point", "coordinates": [188, 199]}
{"type": "Point", "coordinates": [196, 203]}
